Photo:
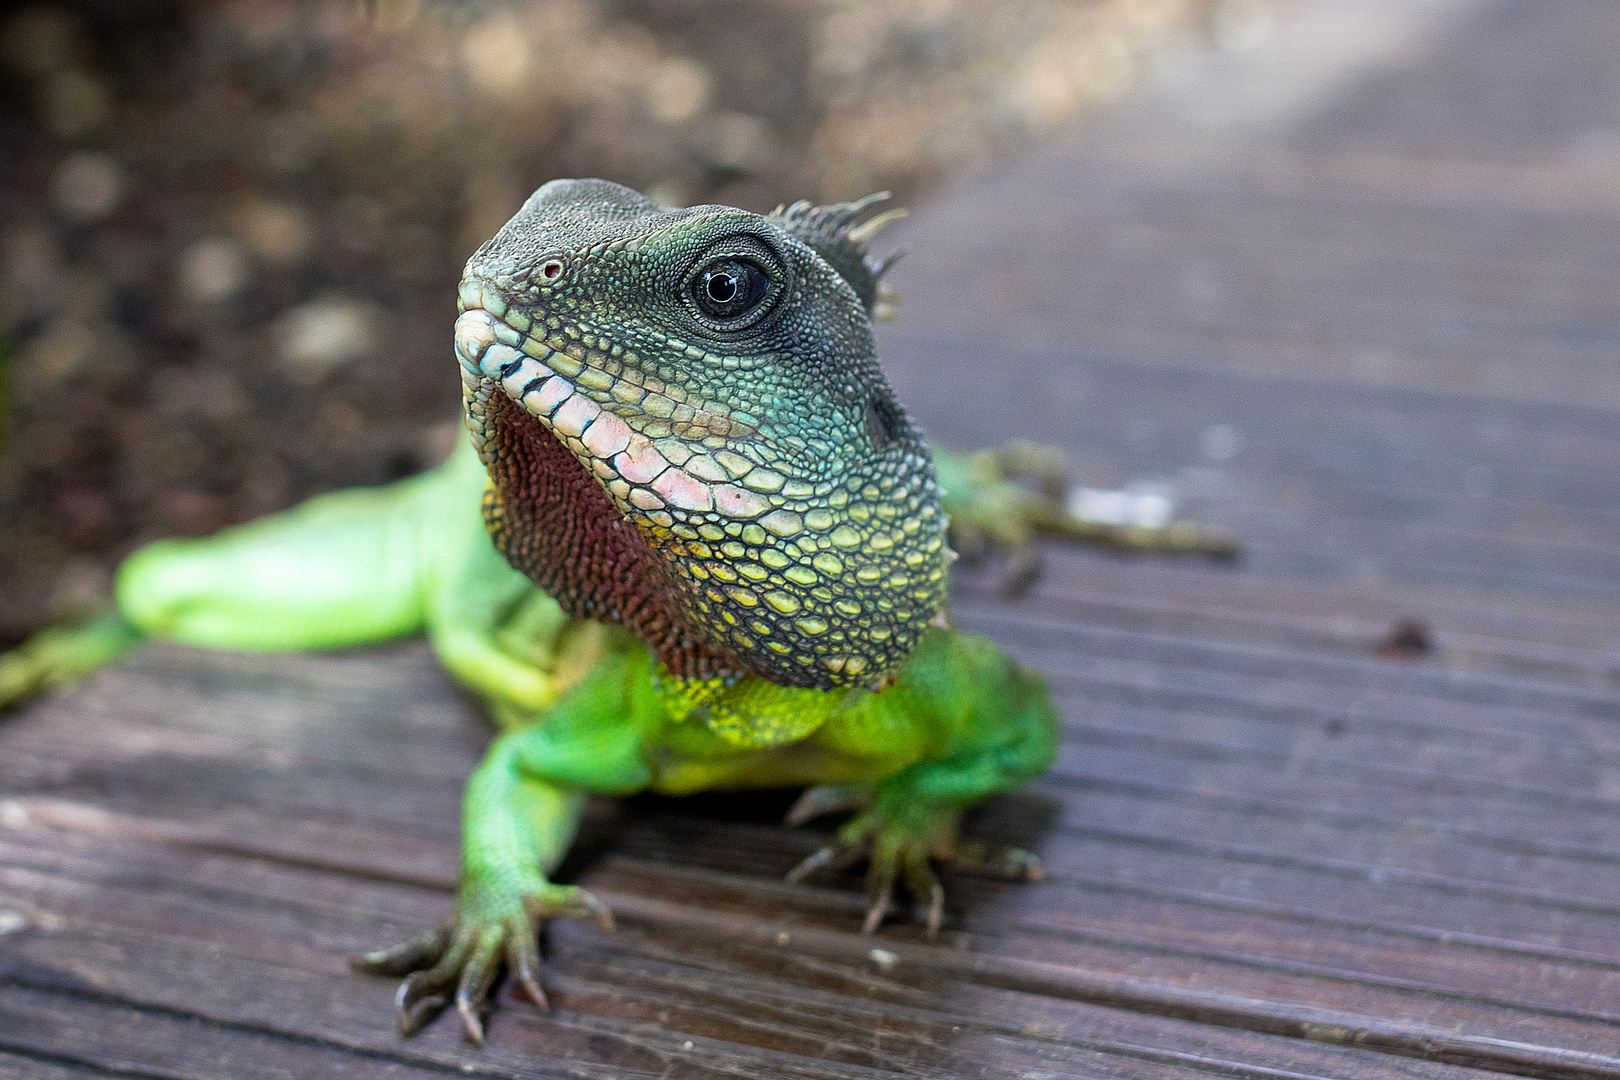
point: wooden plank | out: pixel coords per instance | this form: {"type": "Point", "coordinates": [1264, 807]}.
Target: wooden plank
{"type": "Point", "coordinates": [287, 847]}
{"type": "Point", "coordinates": [645, 979]}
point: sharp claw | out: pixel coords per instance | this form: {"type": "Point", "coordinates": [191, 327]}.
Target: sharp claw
{"type": "Point", "coordinates": [410, 992]}
{"type": "Point", "coordinates": [471, 1025]}
{"type": "Point", "coordinates": [875, 913]}
{"type": "Point", "coordinates": [1006, 863]}
{"type": "Point", "coordinates": [815, 862]}
{"type": "Point", "coordinates": [805, 807]}
{"type": "Point", "coordinates": [825, 799]}
{"type": "Point", "coordinates": [402, 1009]}
{"type": "Point", "coordinates": [472, 992]}
{"type": "Point", "coordinates": [411, 1019]}
{"type": "Point", "coordinates": [880, 890]}
{"type": "Point", "coordinates": [412, 1026]}
{"type": "Point", "coordinates": [404, 958]}
{"type": "Point", "coordinates": [535, 993]}
{"type": "Point", "coordinates": [604, 917]}
{"type": "Point", "coordinates": [921, 883]}
{"type": "Point", "coordinates": [524, 961]}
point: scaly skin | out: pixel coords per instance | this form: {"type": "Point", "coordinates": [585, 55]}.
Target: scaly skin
{"type": "Point", "coordinates": [678, 428]}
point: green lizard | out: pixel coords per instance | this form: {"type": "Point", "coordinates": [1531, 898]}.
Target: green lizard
{"type": "Point", "coordinates": [678, 431]}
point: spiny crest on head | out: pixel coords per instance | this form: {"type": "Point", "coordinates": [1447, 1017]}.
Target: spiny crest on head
{"type": "Point", "coordinates": [836, 236]}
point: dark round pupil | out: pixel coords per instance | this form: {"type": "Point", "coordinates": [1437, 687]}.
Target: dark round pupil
{"type": "Point", "coordinates": [722, 286]}
{"type": "Point", "coordinates": [729, 289]}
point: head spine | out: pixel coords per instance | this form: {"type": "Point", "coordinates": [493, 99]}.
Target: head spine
{"type": "Point", "coordinates": [836, 234]}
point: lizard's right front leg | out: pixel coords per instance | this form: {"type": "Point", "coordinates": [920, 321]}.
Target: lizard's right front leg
{"type": "Point", "coordinates": [519, 815]}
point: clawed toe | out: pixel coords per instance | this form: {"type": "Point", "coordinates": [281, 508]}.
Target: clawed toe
{"type": "Point", "coordinates": [831, 857]}
{"type": "Point", "coordinates": [410, 994]}
{"type": "Point", "coordinates": [997, 861]}
{"type": "Point", "coordinates": [432, 986]}
{"type": "Point", "coordinates": [461, 962]}
{"type": "Point", "coordinates": [523, 961]}
{"type": "Point", "coordinates": [408, 956]}
{"type": "Point", "coordinates": [879, 897]}
{"type": "Point", "coordinates": [828, 799]}
{"type": "Point", "coordinates": [893, 857]}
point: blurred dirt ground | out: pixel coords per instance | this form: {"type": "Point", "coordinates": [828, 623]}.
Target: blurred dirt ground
{"type": "Point", "coordinates": [230, 232]}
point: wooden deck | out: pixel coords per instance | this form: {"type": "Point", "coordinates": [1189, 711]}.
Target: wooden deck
{"type": "Point", "coordinates": [1355, 293]}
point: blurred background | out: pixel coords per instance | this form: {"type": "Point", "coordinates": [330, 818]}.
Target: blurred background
{"type": "Point", "coordinates": [230, 231]}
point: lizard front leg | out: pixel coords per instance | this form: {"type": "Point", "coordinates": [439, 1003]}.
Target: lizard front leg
{"type": "Point", "coordinates": [989, 725]}
{"type": "Point", "coordinates": [515, 830]}
{"type": "Point", "coordinates": [521, 809]}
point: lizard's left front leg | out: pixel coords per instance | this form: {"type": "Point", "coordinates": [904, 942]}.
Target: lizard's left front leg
{"type": "Point", "coordinates": [992, 727]}
{"type": "Point", "coordinates": [521, 809]}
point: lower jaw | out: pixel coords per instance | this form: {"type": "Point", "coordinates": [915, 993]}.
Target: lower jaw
{"type": "Point", "coordinates": [553, 521]}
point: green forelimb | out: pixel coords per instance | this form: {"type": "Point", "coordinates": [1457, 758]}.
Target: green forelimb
{"type": "Point", "coordinates": [521, 809]}
{"type": "Point", "coordinates": [996, 728]}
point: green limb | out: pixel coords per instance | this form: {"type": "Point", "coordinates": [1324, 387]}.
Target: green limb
{"type": "Point", "coordinates": [519, 815]}
{"type": "Point", "coordinates": [995, 728]}
{"type": "Point", "coordinates": [61, 656]}
{"type": "Point", "coordinates": [515, 830]}
{"type": "Point", "coordinates": [339, 570]}
{"type": "Point", "coordinates": [1007, 497]}
{"type": "Point", "coordinates": [492, 629]}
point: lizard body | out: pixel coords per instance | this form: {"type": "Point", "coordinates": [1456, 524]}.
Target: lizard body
{"type": "Point", "coordinates": [719, 561]}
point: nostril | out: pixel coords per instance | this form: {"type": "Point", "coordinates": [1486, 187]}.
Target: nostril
{"type": "Point", "coordinates": [551, 269]}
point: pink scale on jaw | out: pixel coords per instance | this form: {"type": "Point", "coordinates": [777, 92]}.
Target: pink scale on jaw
{"type": "Point", "coordinates": [552, 393]}
{"type": "Point", "coordinates": [529, 371]}
{"type": "Point", "coordinates": [576, 412]}
{"type": "Point", "coordinates": [683, 490]}
{"type": "Point", "coordinates": [707, 468]}
{"type": "Point", "coordinates": [640, 462]}
{"type": "Point", "coordinates": [607, 436]}
{"type": "Point", "coordinates": [734, 502]}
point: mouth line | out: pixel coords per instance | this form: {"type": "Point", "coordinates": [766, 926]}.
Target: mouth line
{"type": "Point", "coordinates": [643, 462]}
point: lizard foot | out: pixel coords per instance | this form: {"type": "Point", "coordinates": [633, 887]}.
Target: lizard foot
{"type": "Point", "coordinates": [902, 846]}
{"type": "Point", "coordinates": [462, 960]}
{"type": "Point", "coordinates": [1003, 499]}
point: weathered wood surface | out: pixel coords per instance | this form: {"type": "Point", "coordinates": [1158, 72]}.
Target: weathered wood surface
{"type": "Point", "coordinates": [1369, 324]}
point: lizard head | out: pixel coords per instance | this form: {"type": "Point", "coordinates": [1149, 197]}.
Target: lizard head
{"type": "Point", "coordinates": [687, 432]}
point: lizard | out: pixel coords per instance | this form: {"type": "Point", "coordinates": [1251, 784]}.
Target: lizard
{"type": "Point", "coordinates": [688, 540]}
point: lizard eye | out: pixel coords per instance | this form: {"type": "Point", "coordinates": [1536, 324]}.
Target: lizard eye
{"type": "Point", "coordinates": [728, 289]}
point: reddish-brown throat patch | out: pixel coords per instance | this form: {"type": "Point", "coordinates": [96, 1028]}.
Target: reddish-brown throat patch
{"type": "Point", "coordinates": [552, 520]}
